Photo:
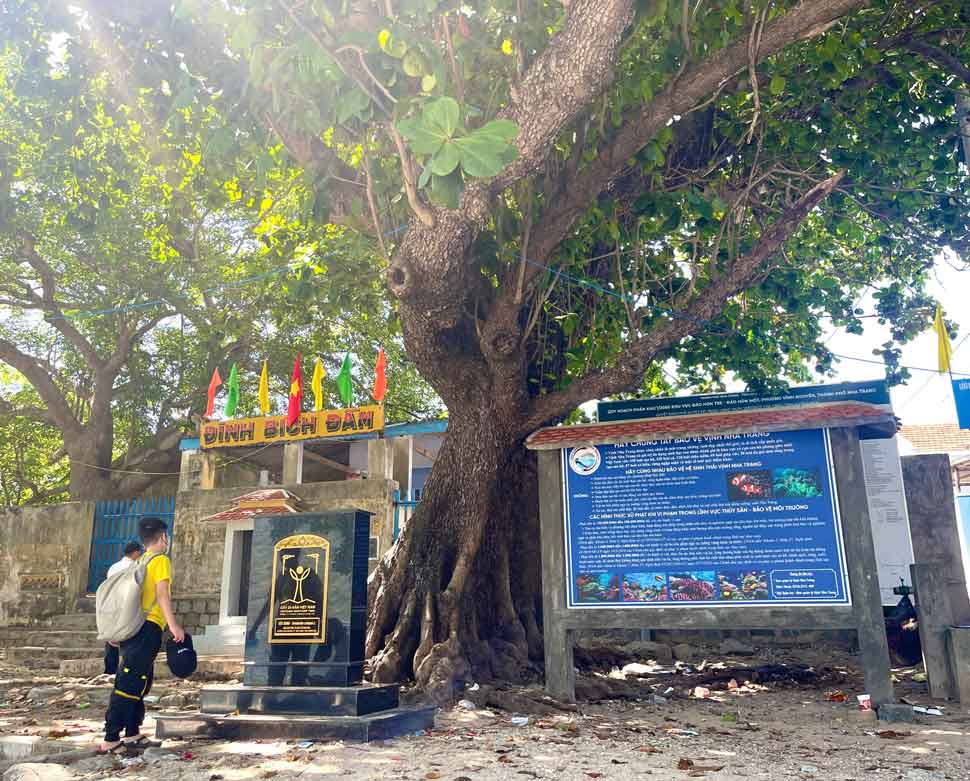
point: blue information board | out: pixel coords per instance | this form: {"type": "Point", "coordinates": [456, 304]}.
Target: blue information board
{"type": "Point", "coordinates": [961, 396]}
{"type": "Point", "coordinates": [733, 520]}
{"type": "Point", "coordinates": [870, 392]}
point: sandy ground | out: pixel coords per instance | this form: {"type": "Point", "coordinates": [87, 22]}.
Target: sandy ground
{"type": "Point", "coordinates": [775, 729]}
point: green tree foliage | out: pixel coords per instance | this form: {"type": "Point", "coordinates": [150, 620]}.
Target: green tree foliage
{"type": "Point", "coordinates": [133, 260]}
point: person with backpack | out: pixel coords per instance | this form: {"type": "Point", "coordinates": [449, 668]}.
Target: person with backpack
{"type": "Point", "coordinates": [133, 551]}
{"type": "Point", "coordinates": [126, 707]}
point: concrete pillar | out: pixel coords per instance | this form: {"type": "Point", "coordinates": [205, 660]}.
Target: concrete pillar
{"type": "Point", "coordinates": [934, 526]}
{"type": "Point", "coordinates": [958, 644]}
{"type": "Point", "coordinates": [933, 613]}
{"type": "Point", "coordinates": [860, 557]}
{"type": "Point", "coordinates": [410, 486]}
{"type": "Point", "coordinates": [293, 463]}
{"type": "Point", "coordinates": [380, 459]}
{"type": "Point", "coordinates": [197, 470]}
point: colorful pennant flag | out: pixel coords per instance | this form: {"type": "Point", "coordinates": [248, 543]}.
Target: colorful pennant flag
{"type": "Point", "coordinates": [264, 389]}
{"type": "Point", "coordinates": [232, 395]}
{"type": "Point", "coordinates": [380, 377]}
{"type": "Point", "coordinates": [214, 384]}
{"type": "Point", "coordinates": [944, 348]}
{"type": "Point", "coordinates": [345, 384]}
{"type": "Point", "coordinates": [296, 394]}
{"type": "Point", "coordinates": [317, 385]}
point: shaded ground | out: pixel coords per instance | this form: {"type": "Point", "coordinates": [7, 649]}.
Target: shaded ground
{"type": "Point", "coordinates": [766, 717]}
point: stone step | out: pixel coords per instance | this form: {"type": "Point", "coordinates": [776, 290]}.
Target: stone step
{"type": "Point", "coordinates": [12, 637]}
{"type": "Point", "coordinates": [208, 669]}
{"type": "Point", "coordinates": [39, 657]}
{"type": "Point", "coordinates": [377, 726]}
{"type": "Point", "coordinates": [73, 621]}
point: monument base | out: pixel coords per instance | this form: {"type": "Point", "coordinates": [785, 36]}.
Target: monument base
{"type": "Point", "coordinates": [376, 726]}
{"type": "Point", "coordinates": [298, 700]}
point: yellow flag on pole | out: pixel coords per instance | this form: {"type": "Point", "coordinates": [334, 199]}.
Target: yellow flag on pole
{"type": "Point", "coordinates": [264, 390]}
{"type": "Point", "coordinates": [944, 348]}
{"type": "Point", "coordinates": [317, 385]}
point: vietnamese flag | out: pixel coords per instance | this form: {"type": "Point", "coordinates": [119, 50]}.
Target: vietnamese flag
{"type": "Point", "coordinates": [380, 377]}
{"type": "Point", "coordinates": [296, 394]}
{"type": "Point", "coordinates": [214, 384]}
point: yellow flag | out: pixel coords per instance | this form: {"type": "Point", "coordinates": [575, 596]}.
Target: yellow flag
{"type": "Point", "coordinates": [944, 348]}
{"type": "Point", "coordinates": [317, 385]}
{"type": "Point", "coordinates": [264, 390]}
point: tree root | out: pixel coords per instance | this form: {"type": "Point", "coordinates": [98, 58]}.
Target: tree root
{"type": "Point", "coordinates": [520, 700]}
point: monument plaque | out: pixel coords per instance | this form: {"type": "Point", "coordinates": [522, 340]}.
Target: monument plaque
{"type": "Point", "coordinates": [304, 642]}
{"type": "Point", "coordinates": [300, 583]}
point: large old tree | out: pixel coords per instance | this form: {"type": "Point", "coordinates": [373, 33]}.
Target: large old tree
{"type": "Point", "coordinates": [583, 199]}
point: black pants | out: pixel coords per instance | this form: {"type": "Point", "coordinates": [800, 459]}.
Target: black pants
{"type": "Point", "coordinates": [126, 708]}
{"type": "Point", "coordinates": [110, 659]}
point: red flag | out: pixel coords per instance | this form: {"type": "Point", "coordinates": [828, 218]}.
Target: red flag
{"type": "Point", "coordinates": [296, 394]}
{"type": "Point", "coordinates": [380, 377]}
{"type": "Point", "coordinates": [214, 384]}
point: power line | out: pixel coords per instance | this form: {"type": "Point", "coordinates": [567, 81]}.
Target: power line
{"type": "Point", "coordinates": [911, 368]}
{"type": "Point", "coordinates": [576, 280]}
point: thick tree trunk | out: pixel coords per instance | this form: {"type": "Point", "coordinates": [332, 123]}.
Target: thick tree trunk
{"type": "Point", "coordinates": [458, 596]}
{"type": "Point", "coordinates": [91, 456]}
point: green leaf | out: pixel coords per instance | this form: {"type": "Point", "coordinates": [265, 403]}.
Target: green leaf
{"type": "Point", "coordinates": [442, 116]}
{"type": "Point", "coordinates": [503, 129]}
{"type": "Point", "coordinates": [425, 176]}
{"type": "Point", "coordinates": [414, 64]}
{"type": "Point", "coordinates": [446, 190]}
{"type": "Point", "coordinates": [423, 141]}
{"type": "Point", "coordinates": [446, 160]}
{"type": "Point", "coordinates": [777, 85]}
{"type": "Point", "coordinates": [351, 103]}
{"type": "Point", "coordinates": [428, 82]}
{"type": "Point", "coordinates": [390, 45]}
{"type": "Point", "coordinates": [483, 156]}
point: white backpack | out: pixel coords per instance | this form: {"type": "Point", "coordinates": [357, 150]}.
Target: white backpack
{"type": "Point", "coordinates": [117, 603]}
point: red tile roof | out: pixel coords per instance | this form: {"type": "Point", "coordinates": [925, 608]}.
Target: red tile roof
{"type": "Point", "coordinates": [829, 415]}
{"type": "Point", "coordinates": [242, 513]}
{"type": "Point", "coordinates": [937, 438]}
{"type": "Point", "coordinates": [266, 495]}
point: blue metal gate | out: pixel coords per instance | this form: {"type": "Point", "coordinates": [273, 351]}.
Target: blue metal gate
{"type": "Point", "coordinates": [403, 510]}
{"type": "Point", "coordinates": [116, 524]}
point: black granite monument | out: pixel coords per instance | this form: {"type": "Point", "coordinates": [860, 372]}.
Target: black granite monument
{"type": "Point", "coordinates": [305, 641]}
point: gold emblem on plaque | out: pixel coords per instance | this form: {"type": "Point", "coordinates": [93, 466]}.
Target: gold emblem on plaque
{"type": "Point", "coordinates": [299, 617]}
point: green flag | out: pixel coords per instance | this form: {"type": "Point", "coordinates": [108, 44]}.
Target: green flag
{"type": "Point", "coordinates": [345, 385]}
{"type": "Point", "coordinates": [232, 397]}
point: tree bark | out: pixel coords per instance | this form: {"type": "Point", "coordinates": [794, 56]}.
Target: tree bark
{"type": "Point", "coordinates": [456, 598]}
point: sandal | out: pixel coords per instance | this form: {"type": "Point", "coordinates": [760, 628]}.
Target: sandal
{"type": "Point", "coordinates": [141, 741]}
{"type": "Point", "coordinates": [119, 748]}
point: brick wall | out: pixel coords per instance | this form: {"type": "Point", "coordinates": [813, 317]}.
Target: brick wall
{"type": "Point", "coordinates": [195, 612]}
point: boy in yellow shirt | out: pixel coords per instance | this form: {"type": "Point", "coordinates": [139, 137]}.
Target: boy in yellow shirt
{"type": "Point", "coordinates": [126, 708]}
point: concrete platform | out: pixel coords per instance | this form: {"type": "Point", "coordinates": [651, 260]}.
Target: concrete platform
{"type": "Point", "coordinates": [299, 700]}
{"type": "Point", "coordinates": [380, 726]}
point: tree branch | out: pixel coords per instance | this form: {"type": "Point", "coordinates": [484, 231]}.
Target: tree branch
{"type": "Point", "coordinates": [42, 382]}
{"type": "Point", "coordinates": [48, 303]}
{"type": "Point", "coordinates": [701, 79]}
{"type": "Point", "coordinates": [628, 370]}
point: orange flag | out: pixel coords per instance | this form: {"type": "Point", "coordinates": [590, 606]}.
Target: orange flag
{"type": "Point", "coordinates": [214, 384]}
{"type": "Point", "coordinates": [380, 377]}
{"type": "Point", "coordinates": [296, 394]}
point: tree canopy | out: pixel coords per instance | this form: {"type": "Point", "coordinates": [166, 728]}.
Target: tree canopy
{"type": "Point", "coordinates": [130, 268]}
